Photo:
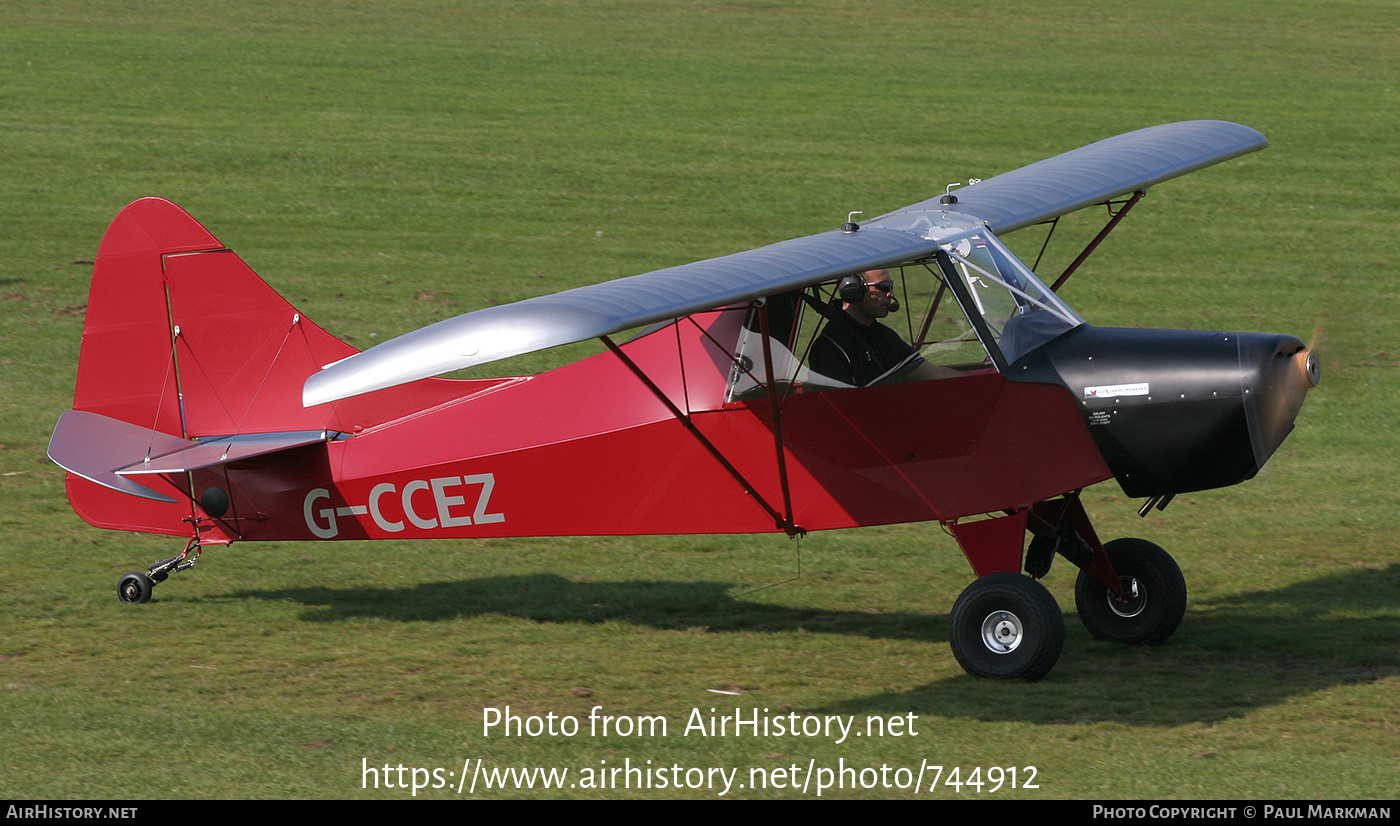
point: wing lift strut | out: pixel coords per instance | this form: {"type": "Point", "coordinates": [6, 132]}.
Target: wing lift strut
{"type": "Point", "coordinates": [1114, 217]}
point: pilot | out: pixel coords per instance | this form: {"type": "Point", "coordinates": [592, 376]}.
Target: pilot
{"type": "Point", "coordinates": [856, 349]}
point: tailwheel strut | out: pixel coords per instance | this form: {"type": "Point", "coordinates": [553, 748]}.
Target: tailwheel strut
{"type": "Point", "coordinates": [135, 588]}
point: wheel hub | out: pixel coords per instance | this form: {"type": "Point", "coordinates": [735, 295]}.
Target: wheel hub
{"type": "Point", "coordinates": [1133, 601]}
{"type": "Point", "coordinates": [1002, 632]}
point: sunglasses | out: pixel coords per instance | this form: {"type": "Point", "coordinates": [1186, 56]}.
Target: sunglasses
{"type": "Point", "coordinates": [882, 286]}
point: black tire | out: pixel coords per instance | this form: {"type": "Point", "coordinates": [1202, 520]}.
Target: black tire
{"type": "Point", "coordinates": [1006, 626]}
{"type": "Point", "coordinates": [1157, 595]}
{"type": "Point", "coordinates": [135, 588]}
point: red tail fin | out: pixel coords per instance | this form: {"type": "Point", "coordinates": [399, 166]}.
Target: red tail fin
{"type": "Point", "coordinates": [182, 338]}
{"type": "Point", "coordinates": [175, 317]}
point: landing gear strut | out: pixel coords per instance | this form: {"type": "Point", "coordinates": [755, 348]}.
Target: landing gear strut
{"type": "Point", "coordinates": [135, 588]}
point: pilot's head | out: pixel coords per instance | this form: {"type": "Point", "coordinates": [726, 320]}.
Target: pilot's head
{"type": "Point", "coordinates": [879, 291]}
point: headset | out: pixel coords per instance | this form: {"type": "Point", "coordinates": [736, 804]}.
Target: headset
{"type": "Point", "coordinates": [851, 289]}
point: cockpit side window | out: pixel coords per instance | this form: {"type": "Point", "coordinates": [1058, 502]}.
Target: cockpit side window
{"type": "Point", "coordinates": [937, 326]}
{"type": "Point", "coordinates": [749, 373]}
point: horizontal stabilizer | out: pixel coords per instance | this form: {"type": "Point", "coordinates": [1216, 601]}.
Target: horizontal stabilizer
{"type": "Point", "coordinates": [95, 447]}
{"type": "Point", "coordinates": [108, 451]}
{"type": "Point", "coordinates": [218, 451]}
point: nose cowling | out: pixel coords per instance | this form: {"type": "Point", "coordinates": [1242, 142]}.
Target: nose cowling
{"type": "Point", "coordinates": [1174, 411]}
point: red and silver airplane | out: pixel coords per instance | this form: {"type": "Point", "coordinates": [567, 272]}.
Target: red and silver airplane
{"type": "Point", "coordinates": [207, 407]}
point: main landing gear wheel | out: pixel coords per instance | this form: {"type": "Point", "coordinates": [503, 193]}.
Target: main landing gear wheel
{"type": "Point", "coordinates": [1154, 603]}
{"type": "Point", "coordinates": [135, 588]}
{"type": "Point", "coordinates": [1007, 626]}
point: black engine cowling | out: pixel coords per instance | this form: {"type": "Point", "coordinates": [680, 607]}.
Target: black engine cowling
{"type": "Point", "coordinates": [1174, 411]}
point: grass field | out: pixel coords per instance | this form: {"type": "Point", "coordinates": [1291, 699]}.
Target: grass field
{"type": "Point", "coordinates": [388, 164]}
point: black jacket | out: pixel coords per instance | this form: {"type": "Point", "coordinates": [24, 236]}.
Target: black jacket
{"type": "Point", "coordinates": [856, 354]}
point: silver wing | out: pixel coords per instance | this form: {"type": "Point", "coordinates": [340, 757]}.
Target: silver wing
{"type": "Point", "coordinates": [600, 309]}
{"type": "Point", "coordinates": [1096, 173]}
{"type": "Point", "coordinates": [1039, 192]}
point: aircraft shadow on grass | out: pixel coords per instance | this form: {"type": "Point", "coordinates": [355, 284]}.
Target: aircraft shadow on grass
{"type": "Point", "coordinates": [666, 604]}
{"type": "Point", "coordinates": [1233, 653]}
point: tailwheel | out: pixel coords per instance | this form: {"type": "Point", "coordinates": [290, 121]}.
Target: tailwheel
{"type": "Point", "coordinates": [135, 588]}
{"type": "Point", "coordinates": [1154, 599]}
{"type": "Point", "coordinates": [1006, 626]}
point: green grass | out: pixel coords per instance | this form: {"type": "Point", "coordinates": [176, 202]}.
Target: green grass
{"type": "Point", "coordinates": [385, 165]}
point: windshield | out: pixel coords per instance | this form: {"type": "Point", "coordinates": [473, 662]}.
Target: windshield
{"type": "Point", "coordinates": [1018, 312]}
